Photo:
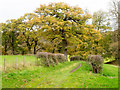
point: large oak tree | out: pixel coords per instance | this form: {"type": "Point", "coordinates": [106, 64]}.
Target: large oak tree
{"type": "Point", "coordinates": [66, 24]}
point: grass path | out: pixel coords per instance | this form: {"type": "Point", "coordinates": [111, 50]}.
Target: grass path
{"type": "Point", "coordinates": [53, 78]}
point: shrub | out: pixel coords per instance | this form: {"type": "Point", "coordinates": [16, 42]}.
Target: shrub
{"type": "Point", "coordinates": [76, 58]}
{"type": "Point", "coordinates": [43, 58]}
{"type": "Point", "coordinates": [61, 58]}
{"type": "Point", "coordinates": [97, 63]}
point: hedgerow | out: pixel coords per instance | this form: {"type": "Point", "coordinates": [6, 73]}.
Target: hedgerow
{"type": "Point", "coordinates": [48, 59]}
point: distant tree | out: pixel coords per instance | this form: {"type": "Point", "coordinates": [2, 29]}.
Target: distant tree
{"type": "Point", "coordinates": [10, 33]}
{"type": "Point", "coordinates": [114, 46]}
{"type": "Point", "coordinates": [5, 38]}
{"type": "Point", "coordinates": [27, 31]}
{"type": "Point", "coordinates": [115, 14]}
{"type": "Point", "coordinates": [115, 36]}
{"type": "Point", "coordinates": [114, 49]}
{"type": "Point", "coordinates": [105, 43]}
{"type": "Point", "coordinates": [113, 10]}
{"type": "Point", "coordinates": [101, 20]}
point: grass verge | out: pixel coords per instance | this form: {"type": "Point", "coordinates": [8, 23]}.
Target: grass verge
{"type": "Point", "coordinates": [60, 77]}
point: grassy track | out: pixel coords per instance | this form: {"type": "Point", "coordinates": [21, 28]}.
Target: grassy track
{"type": "Point", "coordinates": [60, 77]}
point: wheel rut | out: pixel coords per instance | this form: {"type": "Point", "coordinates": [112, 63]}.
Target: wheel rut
{"type": "Point", "coordinates": [76, 68]}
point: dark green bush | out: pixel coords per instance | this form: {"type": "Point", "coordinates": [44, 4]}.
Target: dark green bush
{"type": "Point", "coordinates": [97, 63]}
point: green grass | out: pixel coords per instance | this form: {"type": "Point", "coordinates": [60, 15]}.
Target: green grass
{"type": "Point", "coordinates": [12, 58]}
{"type": "Point", "coordinates": [109, 59]}
{"type": "Point", "coordinates": [11, 61]}
{"type": "Point", "coordinates": [60, 77]}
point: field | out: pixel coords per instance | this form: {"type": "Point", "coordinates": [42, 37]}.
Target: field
{"type": "Point", "coordinates": [17, 60]}
{"type": "Point", "coordinates": [12, 58]}
{"type": "Point", "coordinates": [61, 77]}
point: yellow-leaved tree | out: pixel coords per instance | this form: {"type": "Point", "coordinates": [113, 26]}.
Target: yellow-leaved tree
{"type": "Point", "coordinates": [67, 26]}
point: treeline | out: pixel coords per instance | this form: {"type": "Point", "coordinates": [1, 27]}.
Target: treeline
{"type": "Point", "coordinates": [58, 28]}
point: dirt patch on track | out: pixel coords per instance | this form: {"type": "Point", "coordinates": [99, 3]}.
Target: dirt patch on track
{"type": "Point", "coordinates": [75, 68]}
{"type": "Point", "coordinates": [67, 68]}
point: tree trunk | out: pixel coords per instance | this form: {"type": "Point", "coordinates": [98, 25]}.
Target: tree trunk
{"type": "Point", "coordinates": [94, 68]}
{"type": "Point", "coordinates": [53, 51]}
{"type": "Point", "coordinates": [5, 48]}
{"type": "Point", "coordinates": [36, 41]}
{"type": "Point", "coordinates": [23, 52]}
{"type": "Point", "coordinates": [64, 45]}
{"type": "Point", "coordinates": [34, 49]}
{"type": "Point", "coordinates": [12, 47]}
{"type": "Point", "coordinates": [13, 50]}
{"type": "Point", "coordinates": [29, 49]}
{"type": "Point", "coordinates": [13, 42]}
{"type": "Point", "coordinates": [59, 49]}
{"type": "Point", "coordinates": [28, 45]}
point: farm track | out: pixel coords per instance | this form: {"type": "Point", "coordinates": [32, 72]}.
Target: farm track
{"type": "Point", "coordinates": [75, 68]}
{"type": "Point", "coordinates": [53, 78]}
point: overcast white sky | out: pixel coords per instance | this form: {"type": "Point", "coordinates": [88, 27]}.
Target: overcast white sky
{"type": "Point", "coordinates": [13, 9]}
